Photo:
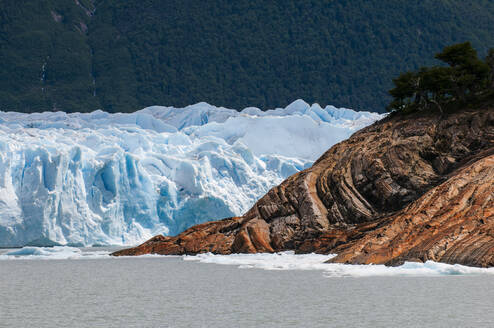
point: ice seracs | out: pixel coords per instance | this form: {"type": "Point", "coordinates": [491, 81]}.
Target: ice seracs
{"type": "Point", "coordinates": [101, 178]}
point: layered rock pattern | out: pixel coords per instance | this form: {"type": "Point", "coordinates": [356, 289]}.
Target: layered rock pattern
{"type": "Point", "coordinates": [452, 223]}
{"type": "Point", "coordinates": [406, 188]}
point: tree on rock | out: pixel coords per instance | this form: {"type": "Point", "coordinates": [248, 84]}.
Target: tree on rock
{"type": "Point", "coordinates": [438, 87]}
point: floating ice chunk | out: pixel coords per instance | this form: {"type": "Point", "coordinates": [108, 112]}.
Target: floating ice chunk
{"type": "Point", "coordinates": [53, 253]}
{"type": "Point", "coordinates": [266, 261]}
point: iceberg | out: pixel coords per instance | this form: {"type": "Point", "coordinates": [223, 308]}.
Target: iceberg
{"type": "Point", "coordinates": [118, 179]}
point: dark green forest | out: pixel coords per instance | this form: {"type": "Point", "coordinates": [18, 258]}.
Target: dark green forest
{"type": "Point", "coordinates": [80, 55]}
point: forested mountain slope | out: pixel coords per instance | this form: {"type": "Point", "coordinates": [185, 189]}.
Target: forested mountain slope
{"type": "Point", "coordinates": [123, 55]}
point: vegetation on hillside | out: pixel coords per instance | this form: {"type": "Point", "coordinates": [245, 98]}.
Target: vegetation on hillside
{"type": "Point", "coordinates": [124, 55]}
{"type": "Point", "coordinates": [45, 61]}
{"type": "Point", "coordinates": [462, 80]}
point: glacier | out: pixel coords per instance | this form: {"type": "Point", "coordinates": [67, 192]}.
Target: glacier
{"type": "Point", "coordinates": [118, 179]}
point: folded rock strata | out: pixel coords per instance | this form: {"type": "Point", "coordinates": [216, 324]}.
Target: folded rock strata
{"type": "Point", "coordinates": [414, 187]}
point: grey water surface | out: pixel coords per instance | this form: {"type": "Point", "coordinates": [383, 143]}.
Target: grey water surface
{"type": "Point", "coordinates": [170, 292]}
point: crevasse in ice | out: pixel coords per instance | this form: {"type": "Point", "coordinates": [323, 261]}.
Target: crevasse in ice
{"type": "Point", "coordinates": [101, 178]}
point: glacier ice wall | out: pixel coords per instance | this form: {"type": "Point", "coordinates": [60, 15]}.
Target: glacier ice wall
{"type": "Point", "coordinates": [101, 178]}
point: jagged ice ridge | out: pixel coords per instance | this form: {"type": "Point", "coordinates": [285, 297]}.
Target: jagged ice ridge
{"type": "Point", "coordinates": [100, 178]}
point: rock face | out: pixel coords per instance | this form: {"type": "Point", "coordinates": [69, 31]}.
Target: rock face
{"type": "Point", "coordinates": [452, 223]}
{"type": "Point", "coordinates": [418, 187]}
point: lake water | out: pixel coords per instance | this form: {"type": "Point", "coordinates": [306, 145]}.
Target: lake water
{"type": "Point", "coordinates": [68, 287]}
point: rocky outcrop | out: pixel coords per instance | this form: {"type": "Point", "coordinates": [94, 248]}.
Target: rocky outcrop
{"type": "Point", "coordinates": [406, 188]}
{"type": "Point", "coordinates": [452, 223]}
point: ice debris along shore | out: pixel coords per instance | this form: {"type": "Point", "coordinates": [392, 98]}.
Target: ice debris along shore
{"type": "Point", "coordinates": [291, 261]}
{"type": "Point", "coordinates": [274, 262]}
{"type": "Point", "coordinates": [118, 179]}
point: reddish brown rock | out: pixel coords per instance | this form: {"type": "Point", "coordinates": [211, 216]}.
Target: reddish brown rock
{"type": "Point", "coordinates": [451, 223]}
{"type": "Point", "coordinates": [215, 237]}
{"type": "Point", "coordinates": [351, 200]}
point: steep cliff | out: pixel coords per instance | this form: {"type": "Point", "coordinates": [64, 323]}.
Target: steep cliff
{"type": "Point", "coordinates": [411, 187]}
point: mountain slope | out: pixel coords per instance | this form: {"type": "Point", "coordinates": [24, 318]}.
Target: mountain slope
{"type": "Point", "coordinates": [45, 57]}
{"type": "Point", "coordinates": [388, 181]}
{"type": "Point", "coordinates": [121, 55]}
